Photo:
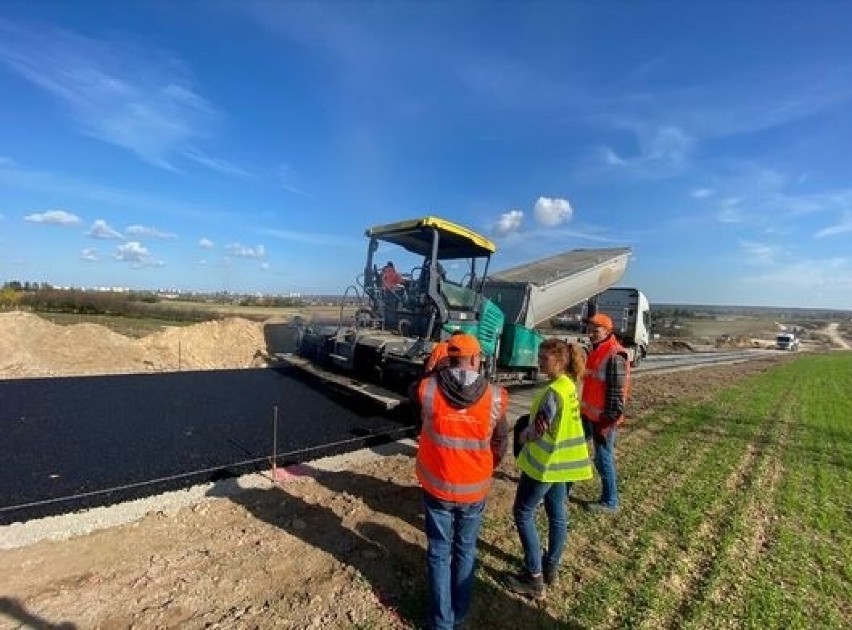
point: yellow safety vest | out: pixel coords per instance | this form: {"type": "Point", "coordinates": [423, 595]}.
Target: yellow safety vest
{"type": "Point", "coordinates": [565, 455]}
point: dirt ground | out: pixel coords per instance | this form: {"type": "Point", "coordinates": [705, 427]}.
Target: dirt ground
{"type": "Point", "coordinates": [321, 549]}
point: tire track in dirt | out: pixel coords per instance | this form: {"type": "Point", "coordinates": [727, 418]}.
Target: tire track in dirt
{"type": "Point", "coordinates": [611, 542]}
{"type": "Point", "coordinates": [596, 545]}
{"type": "Point", "coordinates": [593, 543]}
{"type": "Point", "coordinates": [758, 516]}
{"type": "Point", "coordinates": [685, 586]}
{"type": "Point", "coordinates": [657, 545]}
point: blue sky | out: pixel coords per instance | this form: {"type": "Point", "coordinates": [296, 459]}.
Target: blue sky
{"type": "Point", "coordinates": [245, 146]}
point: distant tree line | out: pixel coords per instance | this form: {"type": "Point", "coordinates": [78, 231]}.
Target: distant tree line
{"type": "Point", "coordinates": [43, 298]}
{"type": "Point", "coordinates": [79, 302]}
{"type": "Point", "coordinates": [272, 301]}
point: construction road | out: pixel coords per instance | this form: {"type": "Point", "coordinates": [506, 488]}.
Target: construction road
{"type": "Point", "coordinates": [73, 443]}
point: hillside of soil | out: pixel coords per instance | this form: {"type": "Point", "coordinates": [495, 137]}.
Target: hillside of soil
{"type": "Point", "coordinates": [32, 347]}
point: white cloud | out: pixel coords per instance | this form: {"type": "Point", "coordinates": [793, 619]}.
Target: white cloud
{"type": "Point", "coordinates": [205, 243]}
{"type": "Point", "coordinates": [214, 164]}
{"type": "Point", "coordinates": [140, 99]}
{"type": "Point", "coordinates": [100, 229]}
{"type": "Point", "coordinates": [664, 151]}
{"type": "Point", "coordinates": [54, 217]}
{"type": "Point", "coordinates": [729, 215]}
{"type": "Point", "coordinates": [509, 222]}
{"type": "Point", "coordinates": [288, 180]}
{"type": "Point", "coordinates": [122, 199]}
{"type": "Point", "coordinates": [132, 251]}
{"type": "Point", "coordinates": [264, 266]}
{"type": "Point", "coordinates": [729, 211]}
{"type": "Point", "coordinates": [807, 278]}
{"type": "Point", "coordinates": [768, 200]}
{"type": "Point", "coordinates": [89, 254]}
{"type": "Point", "coordinates": [552, 211]}
{"type": "Point", "coordinates": [701, 193]}
{"type": "Point", "coordinates": [758, 253]}
{"type": "Point", "coordinates": [141, 231]}
{"type": "Point", "coordinates": [841, 227]}
{"type": "Point", "coordinates": [309, 238]}
{"type": "Point", "coordinates": [137, 255]}
{"type": "Point", "coordinates": [611, 157]}
{"type": "Point", "coordinates": [238, 250]}
{"type": "Point", "coordinates": [667, 143]}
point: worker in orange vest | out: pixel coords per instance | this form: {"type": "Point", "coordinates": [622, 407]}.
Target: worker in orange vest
{"type": "Point", "coordinates": [463, 438]}
{"type": "Point", "coordinates": [606, 387]}
{"type": "Point", "coordinates": [391, 278]}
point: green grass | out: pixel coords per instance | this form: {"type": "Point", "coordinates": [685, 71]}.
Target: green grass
{"type": "Point", "coordinates": [135, 327]}
{"type": "Point", "coordinates": [255, 312]}
{"type": "Point", "coordinates": [736, 514]}
{"type": "Point", "coordinates": [173, 313]}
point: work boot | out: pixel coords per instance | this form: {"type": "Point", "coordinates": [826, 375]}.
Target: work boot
{"type": "Point", "coordinates": [526, 584]}
{"type": "Point", "coordinates": [601, 508]}
{"type": "Point", "coordinates": [551, 575]}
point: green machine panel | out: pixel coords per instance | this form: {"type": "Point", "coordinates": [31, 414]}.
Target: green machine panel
{"type": "Point", "coordinates": [519, 347]}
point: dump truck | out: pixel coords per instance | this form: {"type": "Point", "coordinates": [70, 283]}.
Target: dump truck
{"type": "Point", "coordinates": [382, 349]}
{"type": "Point", "coordinates": [538, 292]}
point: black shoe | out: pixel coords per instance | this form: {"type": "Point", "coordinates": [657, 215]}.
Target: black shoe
{"type": "Point", "coordinates": [601, 508]}
{"type": "Point", "coordinates": [526, 584]}
{"type": "Point", "coordinates": [551, 575]}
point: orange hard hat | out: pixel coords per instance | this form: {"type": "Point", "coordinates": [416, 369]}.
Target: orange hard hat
{"type": "Point", "coordinates": [599, 319]}
{"type": "Point", "coordinates": [463, 346]}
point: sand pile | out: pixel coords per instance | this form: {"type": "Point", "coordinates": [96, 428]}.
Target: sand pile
{"type": "Point", "coordinates": [31, 346]}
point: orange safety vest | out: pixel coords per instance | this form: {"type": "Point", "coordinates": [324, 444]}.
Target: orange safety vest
{"type": "Point", "coordinates": [439, 353]}
{"type": "Point", "coordinates": [391, 278]}
{"type": "Point", "coordinates": [454, 458]}
{"type": "Point", "coordinates": [594, 380]}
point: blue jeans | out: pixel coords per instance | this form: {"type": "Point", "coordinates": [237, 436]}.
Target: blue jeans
{"type": "Point", "coordinates": [529, 495]}
{"type": "Point", "coordinates": [605, 462]}
{"type": "Point", "coordinates": [451, 532]}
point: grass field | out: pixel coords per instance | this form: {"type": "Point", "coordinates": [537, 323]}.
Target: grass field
{"type": "Point", "coordinates": [712, 328]}
{"type": "Point", "coordinates": [140, 326]}
{"type": "Point", "coordinates": [236, 310]}
{"type": "Point", "coordinates": [736, 514]}
{"type": "Point", "coordinates": [134, 327]}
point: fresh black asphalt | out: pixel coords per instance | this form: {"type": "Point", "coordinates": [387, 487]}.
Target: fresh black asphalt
{"type": "Point", "coordinates": [73, 443]}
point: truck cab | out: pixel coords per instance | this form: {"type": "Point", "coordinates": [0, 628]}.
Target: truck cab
{"type": "Point", "coordinates": [787, 341]}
